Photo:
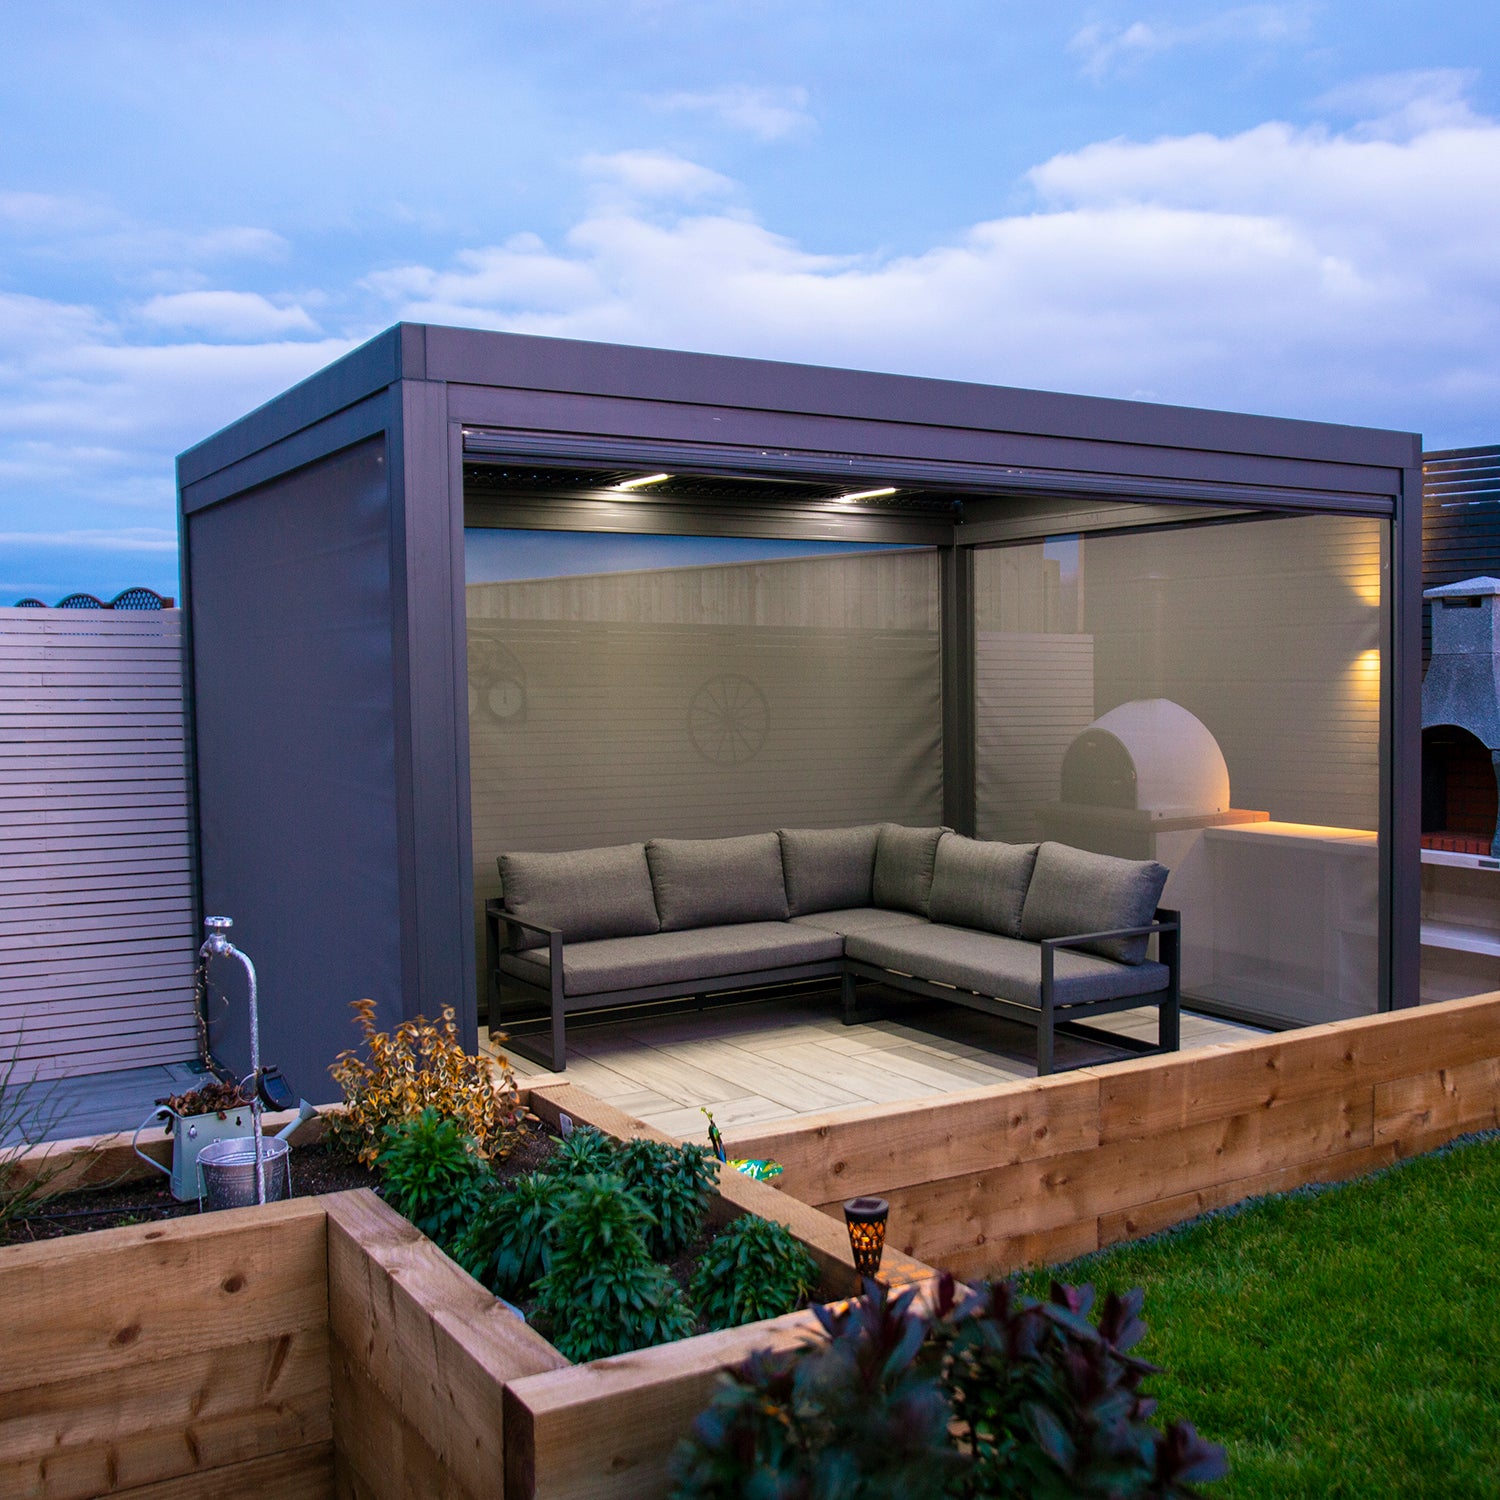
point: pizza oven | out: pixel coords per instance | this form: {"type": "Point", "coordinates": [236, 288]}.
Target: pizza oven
{"type": "Point", "coordinates": [1461, 721]}
{"type": "Point", "coordinates": [1146, 769]}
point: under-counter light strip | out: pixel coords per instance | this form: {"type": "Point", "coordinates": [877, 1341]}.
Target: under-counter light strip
{"type": "Point", "coordinates": [863, 495]}
{"type": "Point", "coordinates": [635, 484]}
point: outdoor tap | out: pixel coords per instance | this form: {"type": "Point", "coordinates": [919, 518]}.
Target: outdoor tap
{"type": "Point", "coordinates": [217, 945]}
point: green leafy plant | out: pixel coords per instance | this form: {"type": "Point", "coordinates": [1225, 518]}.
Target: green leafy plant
{"type": "Point", "coordinates": [433, 1174]}
{"type": "Point", "coordinates": [999, 1395]}
{"type": "Point", "coordinates": [504, 1244]}
{"type": "Point", "coordinates": [420, 1065]}
{"type": "Point", "coordinates": [675, 1183]}
{"type": "Point", "coordinates": [754, 1269]}
{"type": "Point", "coordinates": [603, 1294]}
{"type": "Point", "coordinates": [584, 1152]}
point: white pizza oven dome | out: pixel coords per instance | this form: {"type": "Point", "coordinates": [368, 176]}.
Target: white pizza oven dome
{"type": "Point", "coordinates": [1149, 756]}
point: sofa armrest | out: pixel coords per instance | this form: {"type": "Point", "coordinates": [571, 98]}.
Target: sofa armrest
{"type": "Point", "coordinates": [1167, 926]}
{"type": "Point", "coordinates": [494, 914]}
{"type": "Point", "coordinates": [495, 911]}
{"type": "Point", "coordinates": [1166, 922]}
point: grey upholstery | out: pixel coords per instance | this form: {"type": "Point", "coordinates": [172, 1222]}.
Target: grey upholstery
{"type": "Point", "coordinates": [705, 882]}
{"type": "Point", "coordinates": [828, 869]}
{"type": "Point", "coordinates": [587, 893]}
{"type": "Point", "coordinates": [1074, 891]}
{"type": "Point", "coordinates": [981, 884]}
{"type": "Point", "coordinates": [858, 919]}
{"type": "Point", "coordinates": [671, 957]}
{"type": "Point", "coordinates": [1008, 968]}
{"type": "Point", "coordinates": [903, 867]}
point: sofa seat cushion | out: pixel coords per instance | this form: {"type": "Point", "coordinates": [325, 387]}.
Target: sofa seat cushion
{"type": "Point", "coordinates": [1007, 968]}
{"type": "Point", "coordinates": [707, 882]}
{"type": "Point", "coordinates": [1073, 891]}
{"type": "Point", "coordinates": [859, 919]}
{"type": "Point", "coordinates": [828, 869]}
{"type": "Point", "coordinates": [587, 893]}
{"type": "Point", "coordinates": [979, 883]}
{"type": "Point", "coordinates": [903, 867]}
{"type": "Point", "coordinates": [673, 957]}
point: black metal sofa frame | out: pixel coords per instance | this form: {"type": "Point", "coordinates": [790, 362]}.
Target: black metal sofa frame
{"type": "Point", "coordinates": [1050, 1019]}
{"type": "Point", "coordinates": [1055, 1015]}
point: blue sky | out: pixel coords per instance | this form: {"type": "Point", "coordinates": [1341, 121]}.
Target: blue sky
{"type": "Point", "coordinates": [1288, 208]}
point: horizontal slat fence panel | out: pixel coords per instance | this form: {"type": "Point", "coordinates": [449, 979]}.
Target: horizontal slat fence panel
{"type": "Point", "coordinates": [1036, 1172]}
{"type": "Point", "coordinates": [96, 900]}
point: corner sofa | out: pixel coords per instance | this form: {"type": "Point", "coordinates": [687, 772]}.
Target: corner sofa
{"type": "Point", "coordinates": [1042, 933]}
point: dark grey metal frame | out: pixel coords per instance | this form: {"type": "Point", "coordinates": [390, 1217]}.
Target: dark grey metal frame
{"type": "Point", "coordinates": [561, 1005]}
{"type": "Point", "coordinates": [1026, 465]}
{"type": "Point", "coordinates": [1050, 1019]}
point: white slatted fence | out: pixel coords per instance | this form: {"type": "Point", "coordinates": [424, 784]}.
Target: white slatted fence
{"type": "Point", "coordinates": [97, 943]}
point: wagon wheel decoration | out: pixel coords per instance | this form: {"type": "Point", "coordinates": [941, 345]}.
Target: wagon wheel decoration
{"type": "Point", "coordinates": [497, 682]}
{"type": "Point", "coordinates": [728, 718]}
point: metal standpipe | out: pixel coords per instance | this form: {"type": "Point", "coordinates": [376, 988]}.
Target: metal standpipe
{"type": "Point", "coordinates": [219, 946]}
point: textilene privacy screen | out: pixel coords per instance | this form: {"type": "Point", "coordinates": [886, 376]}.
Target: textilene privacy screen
{"type": "Point", "coordinates": [703, 702]}
{"type": "Point", "coordinates": [1268, 633]}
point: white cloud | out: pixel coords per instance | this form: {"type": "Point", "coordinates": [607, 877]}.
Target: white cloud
{"type": "Point", "coordinates": [231, 315]}
{"type": "Point", "coordinates": [1103, 48]}
{"type": "Point", "coordinates": [1272, 270]}
{"type": "Point", "coordinates": [130, 539]}
{"type": "Point", "coordinates": [1398, 106]}
{"type": "Point", "coordinates": [1338, 272]}
{"type": "Point", "coordinates": [90, 230]}
{"type": "Point", "coordinates": [769, 114]}
{"type": "Point", "coordinates": [654, 174]}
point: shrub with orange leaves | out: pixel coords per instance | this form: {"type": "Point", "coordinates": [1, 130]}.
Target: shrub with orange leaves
{"type": "Point", "coordinates": [421, 1065]}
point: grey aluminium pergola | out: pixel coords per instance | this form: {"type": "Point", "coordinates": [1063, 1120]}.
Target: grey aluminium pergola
{"type": "Point", "coordinates": [323, 580]}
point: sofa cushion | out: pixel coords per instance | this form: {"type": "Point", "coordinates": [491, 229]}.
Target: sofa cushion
{"type": "Point", "coordinates": [705, 882]}
{"type": "Point", "coordinates": [903, 867]}
{"type": "Point", "coordinates": [1007, 968]}
{"type": "Point", "coordinates": [1075, 891]}
{"type": "Point", "coordinates": [588, 893]}
{"type": "Point", "coordinates": [858, 919]}
{"type": "Point", "coordinates": [673, 957]}
{"type": "Point", "coordinates": [978, 883]}
{"type": "Point", "coordinates": [828, 869]}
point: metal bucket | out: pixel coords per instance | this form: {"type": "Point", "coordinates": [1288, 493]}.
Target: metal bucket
{"type": "Point", "coordinates": [228, 1171]}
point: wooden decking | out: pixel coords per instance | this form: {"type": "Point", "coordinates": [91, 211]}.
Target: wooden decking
{"type": "Point", "coordinates": [773, 1060]}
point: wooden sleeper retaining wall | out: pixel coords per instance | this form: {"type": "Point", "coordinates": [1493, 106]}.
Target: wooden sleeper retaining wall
{"type": "Point", "coordinates": [985, 1182]}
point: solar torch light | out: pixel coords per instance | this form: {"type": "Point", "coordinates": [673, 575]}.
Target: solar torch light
{"type": "Point", "coordinates": [865, 1220]}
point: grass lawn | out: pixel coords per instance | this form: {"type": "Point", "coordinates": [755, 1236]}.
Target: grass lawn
{"type": "Point", "coordinates": [1341, 1341]}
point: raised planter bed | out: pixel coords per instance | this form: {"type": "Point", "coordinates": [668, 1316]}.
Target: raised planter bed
{"type": "Point", "coordinates": [323, 1346]}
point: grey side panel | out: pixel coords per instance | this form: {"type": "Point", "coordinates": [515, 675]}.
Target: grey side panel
{"type": "Point", "coordinates": [295, 756]}
{"type": "Point", "coordinates": [1401, 753]}
{"type": "Point", "coordinates": [432, 760]}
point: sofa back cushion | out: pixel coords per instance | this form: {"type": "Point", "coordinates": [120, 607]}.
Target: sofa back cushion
{"type": "Point", "coordinates": [588, 893]}
{"type": "Point", "coordinates": [1074, 891]}
{"type": "Point", "coordinates": [976, 883]}
{"type": "Point", "coordinates": [828, 869]}
{"type": "Point", "coordinates": [903, 867]}
{"type": "Point", "coordinates": [709, 882]}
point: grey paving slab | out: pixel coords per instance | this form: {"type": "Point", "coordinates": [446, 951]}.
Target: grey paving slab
{"type": "Point", "coordinates": [64, 1108]}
